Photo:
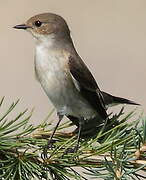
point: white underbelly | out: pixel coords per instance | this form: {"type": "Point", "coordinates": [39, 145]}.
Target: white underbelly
{"type": "Point", "coordinates": [53, 75]}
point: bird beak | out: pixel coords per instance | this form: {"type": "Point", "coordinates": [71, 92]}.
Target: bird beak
{"type": "Point", "coordinates": [21, 26]}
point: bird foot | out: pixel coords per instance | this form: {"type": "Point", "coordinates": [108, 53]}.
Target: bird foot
{"type": "Point", "coordinates": [71, 150]}
{"type": "Point", "coordinates": [50, 145]}
{"type": "Point", "coordinates": [44, 155]}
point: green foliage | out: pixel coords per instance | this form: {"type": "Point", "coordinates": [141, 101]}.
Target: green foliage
{"type": "Point", "coordinates": [117, 152]}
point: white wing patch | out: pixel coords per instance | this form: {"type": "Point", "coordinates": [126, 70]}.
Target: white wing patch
{"type": "Point", "coordinates": [75, 82]}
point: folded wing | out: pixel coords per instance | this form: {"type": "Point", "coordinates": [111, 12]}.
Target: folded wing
{"type": "Point", "coordinates": [87, 85]}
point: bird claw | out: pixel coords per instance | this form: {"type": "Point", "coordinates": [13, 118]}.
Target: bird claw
{"type": "Point", "coordinates": [50, 145]}
{"type": "Point", "coordinates": [44, 155]}
{"type": "Point", "coordinates": [71, 150]}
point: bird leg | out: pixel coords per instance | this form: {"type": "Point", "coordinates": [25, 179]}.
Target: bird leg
{"type": "Point", "coordinates": [51, 141]}
{"type": "Point", "coordinates": [51, 137]}
{"type": "Point", "coordinates": [78, 137]}
{"type": "Point", "coordinates": [75, 149]}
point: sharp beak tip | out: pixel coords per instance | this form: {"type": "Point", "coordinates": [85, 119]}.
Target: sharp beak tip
{"type": "Point", "coordinates": [15, 27]}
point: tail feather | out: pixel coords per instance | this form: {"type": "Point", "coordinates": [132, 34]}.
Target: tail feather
{"type": "Point", "coordinates": [111, 100]}
{"type": "Point", "coordinates": [120, 100]}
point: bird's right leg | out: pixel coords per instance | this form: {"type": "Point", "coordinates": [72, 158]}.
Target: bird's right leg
{"type": "Point", "coordinates": [60, 117]}
{"type": "Point", "coordinates": [50, 141]}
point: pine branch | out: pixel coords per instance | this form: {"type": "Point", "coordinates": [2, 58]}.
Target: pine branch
{"type": "Point", "coordinates": [117, 152]}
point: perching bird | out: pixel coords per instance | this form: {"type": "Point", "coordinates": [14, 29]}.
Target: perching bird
{"type": "Point", "coordinates": [63, 75]}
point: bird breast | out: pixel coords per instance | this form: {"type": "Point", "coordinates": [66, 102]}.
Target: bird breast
{"type": "Point", "coordinates": [52, 71]}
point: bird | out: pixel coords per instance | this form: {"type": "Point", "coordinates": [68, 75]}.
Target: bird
{"type": "Point", "coordinates": [64, 76]}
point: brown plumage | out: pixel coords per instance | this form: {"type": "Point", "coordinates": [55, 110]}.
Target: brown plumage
{"type": "Point", "coordinates": [63, 75]}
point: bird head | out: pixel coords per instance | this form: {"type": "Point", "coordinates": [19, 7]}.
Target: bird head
{"type": "Point", "coordinates": [44, 25]}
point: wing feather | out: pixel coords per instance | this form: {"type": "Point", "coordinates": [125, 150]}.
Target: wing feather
{"type": "Point", "coordinates": [88, 86]}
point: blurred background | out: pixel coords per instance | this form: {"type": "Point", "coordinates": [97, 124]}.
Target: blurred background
{"type": "Point", "coordinates": [110, 36]}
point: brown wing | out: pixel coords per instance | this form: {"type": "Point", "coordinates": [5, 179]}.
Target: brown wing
{"type": "Point", "coordinates": [88, 86]}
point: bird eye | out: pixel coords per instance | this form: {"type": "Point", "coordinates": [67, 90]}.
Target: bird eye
{"type": "Point", "coordinates": [38, 23]}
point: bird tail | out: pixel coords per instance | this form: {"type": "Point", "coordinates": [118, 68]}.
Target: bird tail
{"type": "Point", "coordinates": [111, 100]}
{"type": "Point", "coordinates": [119, 100]}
